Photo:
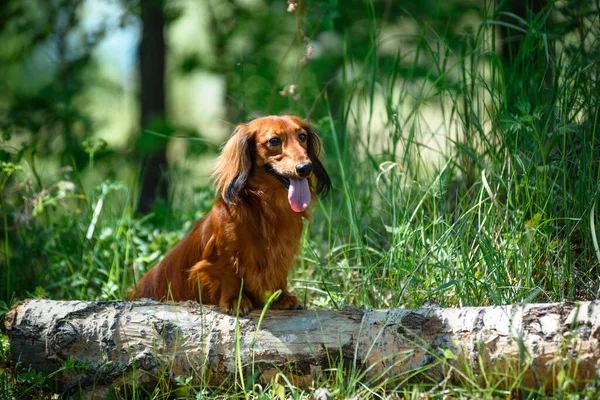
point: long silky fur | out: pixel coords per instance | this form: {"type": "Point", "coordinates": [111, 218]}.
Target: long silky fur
{"type": "Point", "coordinates": [251, 234]}
{"type": "Point", "coordinates": [314, 151]}
{"type": "Point", "coordinates": [234, 165]}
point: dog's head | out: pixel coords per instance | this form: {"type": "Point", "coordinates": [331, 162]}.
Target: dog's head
{"type": "Point", "coordinates": [276, 148]}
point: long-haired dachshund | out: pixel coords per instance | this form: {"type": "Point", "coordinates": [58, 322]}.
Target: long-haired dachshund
{"type": "Point", "coordinates": [266, 176]}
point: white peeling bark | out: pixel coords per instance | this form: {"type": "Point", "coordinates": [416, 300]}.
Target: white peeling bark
{"type": "Point", "coordinates": [147, 340]}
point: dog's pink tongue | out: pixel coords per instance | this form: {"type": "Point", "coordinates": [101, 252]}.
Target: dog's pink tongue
{"type": "Point", "coordinates": [299, 194]}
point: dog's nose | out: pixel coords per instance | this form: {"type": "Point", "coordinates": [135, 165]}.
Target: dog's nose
{"type": "Point", "coordinates": [304, 169]}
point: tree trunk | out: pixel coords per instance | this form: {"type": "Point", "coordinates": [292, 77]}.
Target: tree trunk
{"type": "Point", "coordinates": [153, 184]}
{"type": "Point", "coordinates": [119, 342]}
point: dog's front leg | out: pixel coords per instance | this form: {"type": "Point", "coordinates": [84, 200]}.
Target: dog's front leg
{"type": "Point", "coordinates": [287, 301]}
{"type": "Point", "coordinates": [230, 300]}
{"type": "Point", "coordinates": [217, 285]}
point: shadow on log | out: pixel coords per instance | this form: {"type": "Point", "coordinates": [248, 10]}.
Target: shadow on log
{"type": "Point", "coordinates": [116, 343]}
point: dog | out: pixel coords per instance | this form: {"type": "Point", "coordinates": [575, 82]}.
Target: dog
{"type": "Point", "coordinates": [240, 253]}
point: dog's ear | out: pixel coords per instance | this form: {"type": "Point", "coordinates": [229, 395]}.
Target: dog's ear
{"type": "Point", "coordinates": [234, 165]}
{"type": "Point", "coordinates": [313, 147]}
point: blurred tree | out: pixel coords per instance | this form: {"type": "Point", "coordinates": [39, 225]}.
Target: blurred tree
{"type": "Point", "coordinates": [45, 58]}
{"type": "Point", "coordinates": [45, 65]}
{"type": "Point", "coordinates": [152, 141]}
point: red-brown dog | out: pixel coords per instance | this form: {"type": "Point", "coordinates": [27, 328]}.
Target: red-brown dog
{"type": "Point", "coordinates": [266, 177]}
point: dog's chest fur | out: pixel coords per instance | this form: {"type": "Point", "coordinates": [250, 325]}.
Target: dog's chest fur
{"type": "Point", "coordinates": [265, 242]}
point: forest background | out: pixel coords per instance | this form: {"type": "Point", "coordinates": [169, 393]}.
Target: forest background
{"type": "Point", "coordinates": [461, 137]}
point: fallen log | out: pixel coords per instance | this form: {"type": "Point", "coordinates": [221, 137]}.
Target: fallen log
{"type": "Point", "coordinates": [116, 343]}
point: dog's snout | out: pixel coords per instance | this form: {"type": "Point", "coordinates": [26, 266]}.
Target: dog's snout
{"type": "Point", "coordinates": [304, 169]}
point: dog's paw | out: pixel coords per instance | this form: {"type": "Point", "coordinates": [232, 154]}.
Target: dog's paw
{"type": "Point", "coordinates": [231, 306]}
{"type": "Point", "coordinates": [287, 302]}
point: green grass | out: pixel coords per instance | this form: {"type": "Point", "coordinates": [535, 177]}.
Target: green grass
{"type": "Point", "coordinates": [502, 210]}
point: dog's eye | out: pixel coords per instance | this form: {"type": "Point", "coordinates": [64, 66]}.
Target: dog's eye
{"type": "Point", "coordinates": [275, 141]}
{"type": "Point", "coordinates": [302, 137]}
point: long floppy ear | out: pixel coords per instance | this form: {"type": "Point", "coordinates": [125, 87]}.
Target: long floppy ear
{"type": "Point", "coordinates": [314, 150]}
{"type": "Point", "coordinates": [234, 165]}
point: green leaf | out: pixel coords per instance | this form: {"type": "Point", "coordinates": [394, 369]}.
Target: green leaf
{"type": "Point", "coordinates": [449, 355]}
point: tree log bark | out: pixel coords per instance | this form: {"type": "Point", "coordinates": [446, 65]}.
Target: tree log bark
{"type": "Point", "coordinates": [152, 54]}
{"type": "Point", "coordinates": [539, 346]}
